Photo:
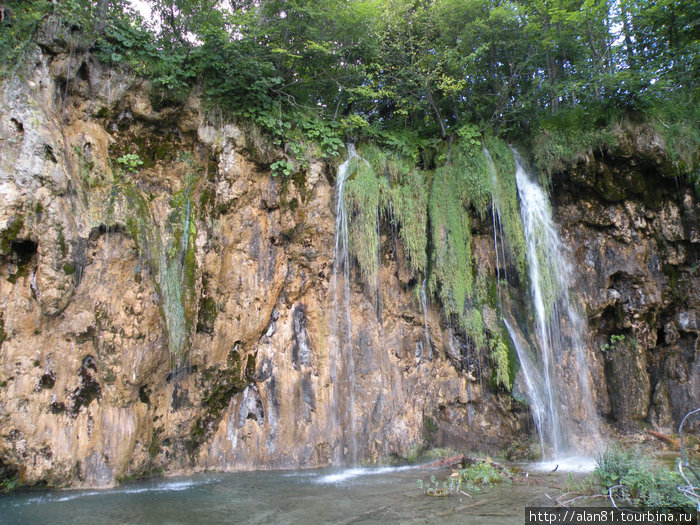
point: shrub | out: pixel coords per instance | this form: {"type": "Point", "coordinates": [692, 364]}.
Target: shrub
{"type": "Point", "coordinates": [483, 472]}
{"type": "Point", "coordinates": [633, 478]}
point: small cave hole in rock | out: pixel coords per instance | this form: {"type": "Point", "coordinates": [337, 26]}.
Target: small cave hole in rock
{"type": "Point", "coordinates": [660, 336]}
{"type": "Point", "coordinates": [83, 71]}
{"type": "Point", "coordinates": [144, 394]}
{"type": "Point", "coordinates": [19, 127]}
{"type": "Point", "coordinates": [48, 154]}
{"type": "Point", "coordinates": [23, 250]}
{"type": "Point", "coordinates": [57, 407]}
{"type": "Point", "coordinates": [48, 380]}
{"type": "Point", "coordinates": [61, 90]}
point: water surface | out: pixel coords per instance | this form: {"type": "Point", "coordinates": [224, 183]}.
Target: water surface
{"type": "Point", "coordinates": [358, 496]}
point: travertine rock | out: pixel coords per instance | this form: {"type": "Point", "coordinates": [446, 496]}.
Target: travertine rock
{"type": "Point", "coordinates": [105, 271]}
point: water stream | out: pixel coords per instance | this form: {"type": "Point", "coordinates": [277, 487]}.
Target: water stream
{"type": "Point", "coordinates": [342, 361]}
{"type": "Point", "coordinates": [557, 378]}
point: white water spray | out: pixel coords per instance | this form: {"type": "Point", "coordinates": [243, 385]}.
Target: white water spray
{"type": "Point", "coordinates": [561, 400]}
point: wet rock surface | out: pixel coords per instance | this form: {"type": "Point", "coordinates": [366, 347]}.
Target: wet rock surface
{"type": "Point", "coordinates": [175, 318]}
{"type": "Point", "coordinates": [637, 261]}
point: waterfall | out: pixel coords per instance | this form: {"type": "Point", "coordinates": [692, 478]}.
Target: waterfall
{"type": "Point", "coordinates": [533, 381]}
{"type": "Point", "coordinates": [557, 380]}
{"type": "Point", "coordinates": [342, 362]}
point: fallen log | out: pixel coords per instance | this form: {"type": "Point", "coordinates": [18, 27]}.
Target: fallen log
{"type": "Point", "coordinates": [668, 439]}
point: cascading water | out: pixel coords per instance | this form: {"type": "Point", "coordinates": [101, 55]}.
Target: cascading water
{"type": "Point", "coordinates": [342, 362]}
{"type": "Point", "coordinates": [533, 380]}
{"type": "Point", "coordinates": [557, 380]}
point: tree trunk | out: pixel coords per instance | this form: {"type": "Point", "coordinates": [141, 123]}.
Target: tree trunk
{"type": "Point", "coordinates": [436, 110]}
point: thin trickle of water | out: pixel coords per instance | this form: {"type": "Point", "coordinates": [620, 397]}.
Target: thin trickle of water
{"type": "Point", "coordinates": [186, 228]}
{"type": "Point", "coordinates": [342, 363]}
{"type": "Point", "coordinates": [498, 237]}
{"type": "Point", "coordinates": [428, 353]}
{"type": "Point", "coordinates": [568, 419]}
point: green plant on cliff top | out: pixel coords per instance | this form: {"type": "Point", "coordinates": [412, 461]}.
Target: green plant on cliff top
{"type": "Point", "coordinates": [282, 168]}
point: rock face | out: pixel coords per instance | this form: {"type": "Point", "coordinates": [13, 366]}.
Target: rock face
{"type": "Point", "coordinates": [175, 317]}
{"type": "Point", "coordinates": [635, 231]}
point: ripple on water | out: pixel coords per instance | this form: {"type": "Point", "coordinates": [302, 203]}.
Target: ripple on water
{"type": "Point", "coordinates": [172, 486]}
{"type": "Point", "coordinates": [343, 476]}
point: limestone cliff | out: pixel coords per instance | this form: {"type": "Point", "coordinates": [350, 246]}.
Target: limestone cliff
{"type": "Point", "coordinates": [174, 316]}
{"type": "Point", "coordinates": [634, 229]}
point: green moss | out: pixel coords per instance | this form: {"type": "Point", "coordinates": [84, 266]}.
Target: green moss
{"type": "Point", "coordinates": [365, 199]}
{"type": "Point", "coordinates": [171, 254]}
{"type": "Point", "coordinates": [403, 194]}
{"type": "Point", "coordinates": [452, 275]}
{"type": "Point", "coordinates": [501, 363]}
{"type": "Point", "coordinates": [10, 234]}
{"type": "Point", "coordinates": [475, 177]}
{"type": "Point", "coordinates": [220, 386]}
{"type": "Point", "coordinates": [206, 200]}
{"type": "Point", "coordinates": [69, 268]}
{"type": "Point", "coordinates": [154, 445]}
{"type": "Point", "coordinates": [103, 112]}
{"type": "Point", "coordinates": [63, 248]}
{"type": "Point", "coordinates": [208, 311]}
{"type": "Point", "coordinates": [409, 207]}
{"type": "Point", "coordinates": [109, 376]}
{"type": "Point", "coordinates": [22, 271]}
{"type": "Point", "coordinates": [486, 290]}
{"type": "Point", "coordinates": [505, 191]}
{"type": "Point", "coordinates": [85, 168]}
{"type": "Point", "coordinates": [472, 323]}
{"type": "Point", "coordinates": [3, 336]}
